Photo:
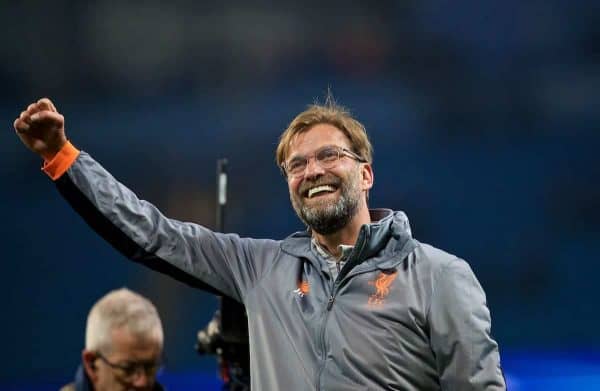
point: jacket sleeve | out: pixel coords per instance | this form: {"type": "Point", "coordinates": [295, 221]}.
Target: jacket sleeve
{"type": "Point", "coordinates": [467, 356]}
{"type": "Point", "coordinates": [220, 263]}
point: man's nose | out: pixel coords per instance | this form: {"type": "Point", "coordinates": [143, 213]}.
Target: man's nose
{"type": "Point", "coordinates": [142, 380]}
{"type": "Point", "coordinates": [313, 168]}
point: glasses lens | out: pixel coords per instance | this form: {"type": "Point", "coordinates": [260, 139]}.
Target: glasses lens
{"type": "Point", "coordinates": [152, 369]}
{"type": "Point", "coordinates": [296, 166]}
{"type": "Point", "coordinates": [327, 156]}
{"type": "Point", "coordinates": [132, 371]}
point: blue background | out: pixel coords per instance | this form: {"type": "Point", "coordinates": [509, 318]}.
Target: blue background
{"type": "Point", "coordinates": [484, 117]}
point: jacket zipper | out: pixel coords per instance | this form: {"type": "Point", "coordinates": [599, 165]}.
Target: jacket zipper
{"type": "Point", "coordinates": [322, 339]}
{"type": "Point", "coordinates": [329, 305]}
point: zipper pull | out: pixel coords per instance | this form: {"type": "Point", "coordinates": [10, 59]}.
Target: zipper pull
{"type": "Point", "coordinates": [330, 302]}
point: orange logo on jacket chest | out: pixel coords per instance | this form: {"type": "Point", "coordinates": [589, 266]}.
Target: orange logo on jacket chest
{"type": "Point", "coordinates": [303, 288]}
{"type": "Point", "coordinates": [382, 287]}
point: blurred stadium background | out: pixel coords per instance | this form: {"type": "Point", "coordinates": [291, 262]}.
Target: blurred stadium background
{"type": "Point", "coordinates": [484, 116]}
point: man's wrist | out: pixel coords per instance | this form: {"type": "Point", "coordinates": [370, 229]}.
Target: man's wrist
{"type": "Point", "coordinates": [55, 166]}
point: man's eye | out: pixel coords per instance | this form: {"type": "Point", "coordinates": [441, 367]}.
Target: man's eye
{"type": "Point", "coordinates": [295, 164]}
{"type": "Point", "coordinates": [327, 155]}
{"type": "Point", "coordinates": [128, 369]}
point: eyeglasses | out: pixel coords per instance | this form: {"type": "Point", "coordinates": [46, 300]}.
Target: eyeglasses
{"type": "Point", "coordinates": [128, 371]}
{"type": "Point", "coordinates": [326, 157]}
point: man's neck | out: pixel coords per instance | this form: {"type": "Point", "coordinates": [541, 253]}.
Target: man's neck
{"type": "Point", "coordinates": [347, 235]}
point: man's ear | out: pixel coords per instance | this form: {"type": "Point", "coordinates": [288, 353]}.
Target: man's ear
{"type": "Point", "coordinates": [367, 177]}
{"type": "Point", "coordinates": [88, 358]}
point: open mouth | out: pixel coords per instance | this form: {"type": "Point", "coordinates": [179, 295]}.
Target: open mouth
{"type": "Point", "coordinates": [319, 190]}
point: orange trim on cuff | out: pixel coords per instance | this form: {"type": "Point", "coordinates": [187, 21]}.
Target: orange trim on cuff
{"type": "Point", "coordinates": [61, 162]}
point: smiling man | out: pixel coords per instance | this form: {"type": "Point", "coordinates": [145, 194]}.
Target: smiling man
{"type": "Point", "coordinates": [353, 302]}
{"type": "Point", "coordinates": [327, 186]}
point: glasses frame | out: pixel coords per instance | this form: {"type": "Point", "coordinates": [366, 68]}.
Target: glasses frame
{"type": "Point", "coordinates": [341, 153]}
{"type": "Point", "coordinates": [130, 371]}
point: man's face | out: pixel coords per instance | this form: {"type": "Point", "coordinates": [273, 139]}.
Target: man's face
{"type": "Point", "coordinates": [128, 365]}
{"type": "Point", "coordinates": [340, 189]}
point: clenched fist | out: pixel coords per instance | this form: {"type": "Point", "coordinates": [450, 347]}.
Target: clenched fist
{"type": "Point", "coordinates": [42, 128]}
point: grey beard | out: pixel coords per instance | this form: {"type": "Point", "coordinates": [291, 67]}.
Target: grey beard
{"type": "Point", "coordinates": [330, 218]}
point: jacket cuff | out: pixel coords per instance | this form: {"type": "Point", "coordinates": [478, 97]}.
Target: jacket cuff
{"type": "Point", "coordinates": [61, 162]}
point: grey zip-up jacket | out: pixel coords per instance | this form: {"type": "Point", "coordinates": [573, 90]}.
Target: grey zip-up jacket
{"type": "Point", "coordinates": [401, 315]}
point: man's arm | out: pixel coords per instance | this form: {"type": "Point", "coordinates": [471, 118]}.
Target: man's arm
{"type": "Point", "coordinates": [189, 252]}
{"type": "Point", "coordinates": [460, 324]}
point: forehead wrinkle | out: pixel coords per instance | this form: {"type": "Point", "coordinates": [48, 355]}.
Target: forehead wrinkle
{"type": "Point", "coordinates": [132, 346]}
{"type": "Point", "coordinates": [320, 134]}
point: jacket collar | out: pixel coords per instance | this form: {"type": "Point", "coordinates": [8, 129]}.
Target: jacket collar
{"type": "Point", "coordinates": [388, 233]}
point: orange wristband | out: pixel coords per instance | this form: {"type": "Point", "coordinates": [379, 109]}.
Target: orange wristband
{"type": "Point", "coordinates": [61, 162]}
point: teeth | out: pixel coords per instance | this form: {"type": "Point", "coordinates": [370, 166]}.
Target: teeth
{"type": "Point", "coordinates": [319, 189]}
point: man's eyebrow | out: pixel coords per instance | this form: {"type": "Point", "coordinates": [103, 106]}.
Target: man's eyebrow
{"type": "Point", "coordinates": [138, 362]}
{"type": "Point", "coordinates": [321, 147]}
{"type": "Point", "coordinates": [296, 156]}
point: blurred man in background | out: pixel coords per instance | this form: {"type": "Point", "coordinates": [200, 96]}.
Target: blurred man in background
{"type": "Point", "coordinates": [123, 345]}
{"type": "Point", "coordinates": [354, 302]}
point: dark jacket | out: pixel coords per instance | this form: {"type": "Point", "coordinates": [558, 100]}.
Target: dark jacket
{"type": "Point", "coordinates": [81, 382]}
{"type": "Point", "coordinates": [401, 315]}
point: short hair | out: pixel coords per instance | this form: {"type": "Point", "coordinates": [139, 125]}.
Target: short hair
{"type": "Point", "coordinates": [121, 308]}
{"type": "Point", "coordinates": [328, 113]}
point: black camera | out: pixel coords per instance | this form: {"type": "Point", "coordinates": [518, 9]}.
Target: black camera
{"type": "Point", "coordinates": [226, 336]}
